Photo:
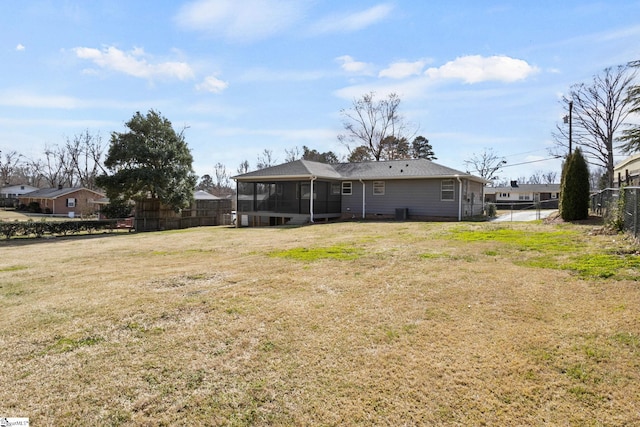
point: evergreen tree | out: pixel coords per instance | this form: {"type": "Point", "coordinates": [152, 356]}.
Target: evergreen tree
{"type": "Point", "coordinates": [151, 160]}
{"type": "Point", "coordinates": [574, 188]}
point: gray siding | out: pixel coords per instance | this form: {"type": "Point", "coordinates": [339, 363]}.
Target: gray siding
{"type": "Point", "coordinates": [421, 196]}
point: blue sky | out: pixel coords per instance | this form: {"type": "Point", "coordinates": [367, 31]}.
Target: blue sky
{"type": "Point", "coordinates": [249, 75]}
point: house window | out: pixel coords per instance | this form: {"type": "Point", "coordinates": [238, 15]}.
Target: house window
{"type": "Point", "coordinates": [346, 188]}
{"type": "Point", "coordinates": [447, 190]}
{"type": "Point", "coordinates": [524, 197]}
{"type": "Point", "coordinates": [71, 203]}
{"type": "Point", "coordinates": [335, 188]}
{"type": "Point", "coordinates": [378, 188]}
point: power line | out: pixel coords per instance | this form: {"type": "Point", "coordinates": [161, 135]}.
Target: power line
{"type": "Point", "coordinates": [532, 161]}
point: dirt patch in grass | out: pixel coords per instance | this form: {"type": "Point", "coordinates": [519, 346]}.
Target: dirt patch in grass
{"type": "Point", "coordinates": [337, 324]}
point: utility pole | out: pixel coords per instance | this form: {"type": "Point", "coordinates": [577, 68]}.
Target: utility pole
{"type": "Point", "coordinates": [569, 119]}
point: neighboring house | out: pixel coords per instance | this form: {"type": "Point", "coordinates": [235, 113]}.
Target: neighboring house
{"type": "Point", "coordinates": [402, 189]}
{"type": "Point", "coordinates": [627, 172]}
{"type": "Point", "coordinates": [203, 195]}
{"type": "Point", "coordinates": [9, 194]}
{"type": "Point", "coordinates": [13, 191]}
{"type": "Point", "coordinates": [73, 201]}
{"type": "Point", "coordinates": [524, 196]}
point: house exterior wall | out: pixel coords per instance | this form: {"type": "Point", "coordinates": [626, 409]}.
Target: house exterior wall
{"type": "Point", "coordinates": [83, 203]}
{"type": "Point", "coordinates": [16, 190]}
{"type": "Point", "coordinates": [627, 172]}
{"type": "Point", "coordinates": [422, 198]}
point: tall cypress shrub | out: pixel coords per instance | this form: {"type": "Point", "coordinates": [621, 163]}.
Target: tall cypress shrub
{"type": "Point", "coordinates": [574, 188]}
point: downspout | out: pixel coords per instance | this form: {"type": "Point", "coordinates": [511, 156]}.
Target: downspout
{"type": "Point", "coordinates": [237, 224]}
{"type": "Point", "coordinates": [313, 178]}
{"type": "Point", "coordinates": [459, 198]}
{"type": "Point", "coordinates": [364, 201]}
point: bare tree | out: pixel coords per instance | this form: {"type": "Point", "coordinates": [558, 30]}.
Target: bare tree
{"type": "Point", "coordinates": [486, 164]}
{"type": "Point", "coordinates": [243, 167]}
{"type": "Point", "coordinates": [55, 168]}
{"type": "Point", "coordinates": [535, 178]}
{"type": "Point", "coordinates": [549, 177]}
{"type": "Point", "coordinates": [599, 110]}
{"type": "Point", "coordinates": [369, 122]}
{"type": "Point", "coordinates": [292, 155]}
{"type": "Point", "coordinates": [265, 159]}
{"type": "Point", "coordinates": [30, 172]}
{"type": "Point", "coordinates": [84, 154]}
{"type": "Point", "coordinates": [8, 167]}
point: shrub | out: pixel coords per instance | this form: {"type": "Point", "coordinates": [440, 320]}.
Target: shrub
{"type": "Point", "coordinates": [34, 207]}
{"type": "Point", "coordinates": [491, 210]}
{"type": "Point", "coordinates": [574, 188]}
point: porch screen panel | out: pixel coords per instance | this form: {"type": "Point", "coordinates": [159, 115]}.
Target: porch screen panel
{"type": "Point", "coordinates": [288, 199]}
{"type": "Point", "coordinates": [246, 192]}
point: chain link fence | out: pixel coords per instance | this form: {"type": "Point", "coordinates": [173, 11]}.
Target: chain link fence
{"type": "Point", "coordinates": [619, 207]}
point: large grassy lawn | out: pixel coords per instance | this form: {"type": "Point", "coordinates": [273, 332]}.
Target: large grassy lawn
{"type": "Point", "coordinates": [337, 324]}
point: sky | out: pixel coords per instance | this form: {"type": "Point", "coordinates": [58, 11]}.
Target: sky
{"type": "Point", "coordinates": [242, 76]}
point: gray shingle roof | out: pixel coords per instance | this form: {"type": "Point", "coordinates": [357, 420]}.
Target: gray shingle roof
{"type": "Point", "coordinates": [55, 192]}
{"type": "Point", "coordinates": [298, 168]}
{"type": "Point", "coordinates": [393, 169]}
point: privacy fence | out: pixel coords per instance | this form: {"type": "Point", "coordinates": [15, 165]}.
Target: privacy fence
{"type": "Point", "coordinates": [620, 207]}
{"type": "Point", "coordinates": [151, 215]}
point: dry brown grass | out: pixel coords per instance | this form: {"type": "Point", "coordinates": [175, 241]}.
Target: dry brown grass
{"type": "Point", "coordinates": [12, 215]}
{"type": "Point", "coordinates": [222, 326]}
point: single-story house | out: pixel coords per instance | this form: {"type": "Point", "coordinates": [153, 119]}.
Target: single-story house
{"type": "Point", "coordinates": [13, 191]}
{"type": "Point", "coordinates": [627, 172]}
{"type": "Point", "coordinates": [204, 195]}
{"type": "Point", "coordinates": [401, 189]}
{"type": "Point", "coordinates": [70, 201]}
{"type": "Point", "coordinates": [524, 196]}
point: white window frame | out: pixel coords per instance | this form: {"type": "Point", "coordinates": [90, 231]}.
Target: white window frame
{"type": "Point", "coordinates": [347, 188]}
{"type": "Point", "coordinates": [444, 189]}
{"type": "Point", "coordinates": [71, 203]}
{"type": "Point", "coordinates": [378, 188]}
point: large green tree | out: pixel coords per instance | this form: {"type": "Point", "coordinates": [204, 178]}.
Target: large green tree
{"type": "Point", "coordinates": [150, 160]}
{"type": "Point", "coordinates": [574, 187]}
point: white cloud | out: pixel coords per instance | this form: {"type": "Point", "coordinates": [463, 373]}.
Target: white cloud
{"type": "Point", "coordinates": [476, 69]}
{"type": "Point", "coordinates": [403, 69]}
{"type": "Point", "coordinates": [352, 22]}
{"type": "Point", "coordinates": [212, 84]}
{"type": "Point", "coordinates": [20, 47]}
{"type": "Point", "coordinates": [350, 65]}
{"type": "Point", "coordinates": [134, 63]}
{"type": "Point", "coordinates": [246, 20]}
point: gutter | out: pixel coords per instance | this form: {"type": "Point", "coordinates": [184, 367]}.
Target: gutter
{"type": "Point", "coordinates": [364, 200]}
{"type": "Point", "coordinates": [459, 197]}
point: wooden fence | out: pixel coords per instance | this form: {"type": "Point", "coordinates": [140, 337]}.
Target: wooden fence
{"type": "Point", "coordinates": [151, 215]}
